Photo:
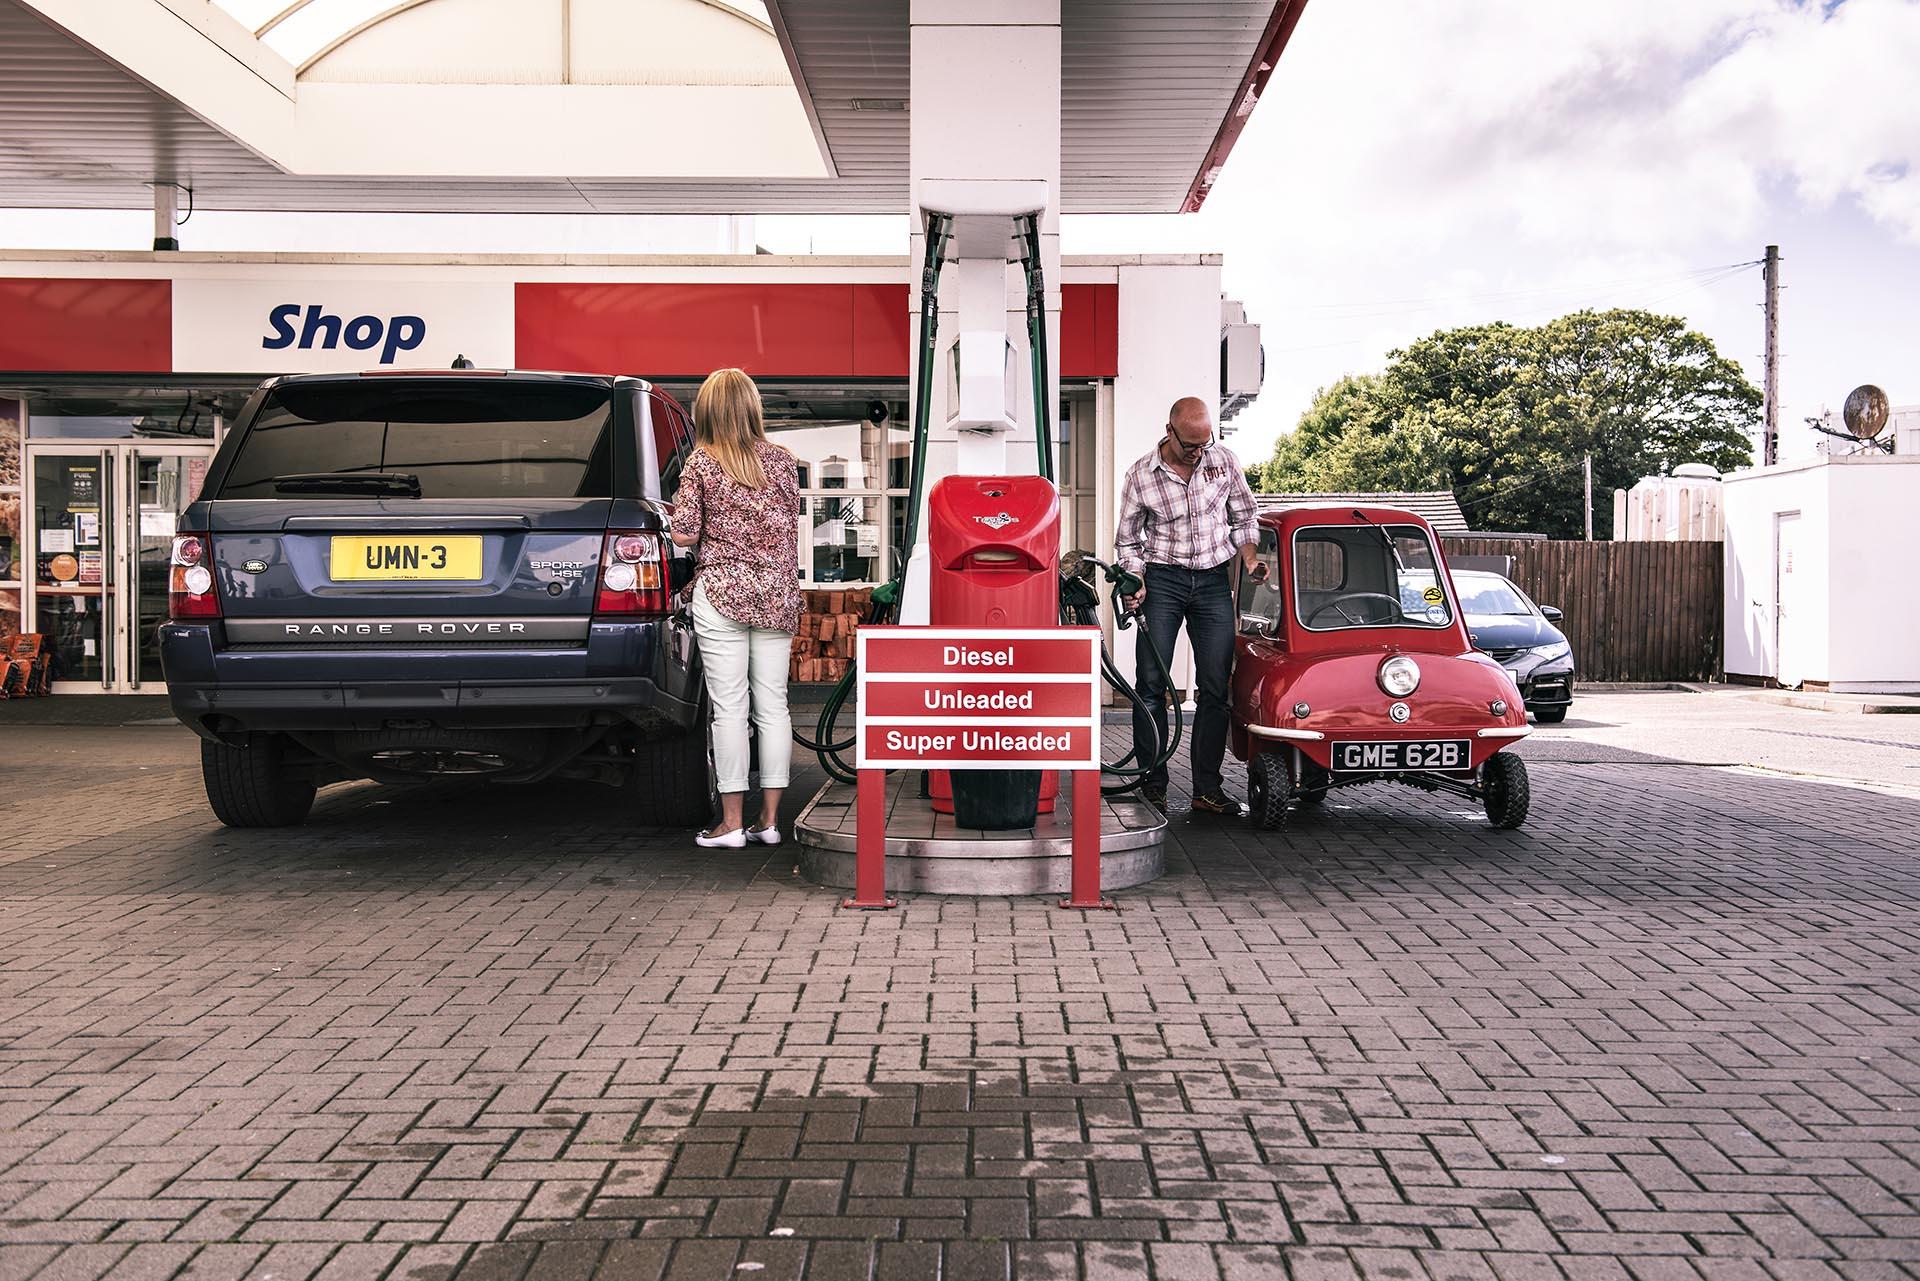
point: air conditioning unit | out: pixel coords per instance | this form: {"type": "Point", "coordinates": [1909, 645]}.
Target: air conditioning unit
{"type": "Point", "coordinates": [1243, 362]}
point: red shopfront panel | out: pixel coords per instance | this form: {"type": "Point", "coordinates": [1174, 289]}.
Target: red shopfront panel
{"type": "Point", "coordinates": [1089, 331]}
{"type": "Point", "coordinates": [80, 324]}
{"type": "Point", "coordinates": [770, 330]}
{"type": "Point", "coordinates": [689, 330]}
{"type": "Point", "coordinates": [882, 331]}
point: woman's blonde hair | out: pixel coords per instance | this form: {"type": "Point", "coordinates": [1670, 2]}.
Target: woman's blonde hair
{"type": "Point", "coordinates": [728, 424]}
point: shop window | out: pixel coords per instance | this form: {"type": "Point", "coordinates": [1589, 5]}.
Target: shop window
{"type": "Point", "coordinates": [182, 415]}
{"type": "Point", "coordinates": [12, 548]}
{"type": "Point", "coordinates": [844, 539]}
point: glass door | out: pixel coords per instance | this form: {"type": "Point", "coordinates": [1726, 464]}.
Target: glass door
{"type": "Point", "coordinates": [101, 522]}
{"type": "Point", "coordinates": [71, 539]}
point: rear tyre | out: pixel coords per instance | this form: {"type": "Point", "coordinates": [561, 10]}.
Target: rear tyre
{"type": "Point", "coordinates": [670, 785]}
{"type": "Point", "coordinates": [253, 786]}
{"type": "Point", "coordinates": [1268, 788]}
{"type": "Point", "coordinates": [1503, 780]}
{"type": "Point", "coordinates": [1549, 715]}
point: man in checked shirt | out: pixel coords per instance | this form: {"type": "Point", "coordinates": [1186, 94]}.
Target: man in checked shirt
{"type": "Point", "coordinates": [1185, 512]}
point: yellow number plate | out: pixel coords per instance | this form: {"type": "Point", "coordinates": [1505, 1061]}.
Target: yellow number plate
{"type": "Point", "coordinates": [404, 559]}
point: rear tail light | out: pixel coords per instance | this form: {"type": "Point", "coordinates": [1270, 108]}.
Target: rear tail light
{"type": "Point", "coordinates": [190, 588]}
{"type": "Point", "coordinates": [633, 575]}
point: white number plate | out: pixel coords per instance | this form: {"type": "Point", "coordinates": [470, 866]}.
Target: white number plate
{"type": "Point", "coordinates": [1440, 754]}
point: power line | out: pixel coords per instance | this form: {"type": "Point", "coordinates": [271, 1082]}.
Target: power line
{"type": "Point", "coordinates": [1701, 278]}
{"type": "Point", "coordinates": [1429, 302]}
{"type": "Point", "coordinates": [1532, 478]}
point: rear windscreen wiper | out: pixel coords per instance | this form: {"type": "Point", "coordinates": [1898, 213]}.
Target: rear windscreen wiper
{"type": "Point", "coordinates": [379, 483]}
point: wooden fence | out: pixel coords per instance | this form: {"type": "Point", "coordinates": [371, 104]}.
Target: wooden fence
{"type": "Point", "coordinates": [1634, 611]}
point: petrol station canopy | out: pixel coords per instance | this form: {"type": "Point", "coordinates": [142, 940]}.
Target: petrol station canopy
{"type": "Point", "coordinates": [581, 106]}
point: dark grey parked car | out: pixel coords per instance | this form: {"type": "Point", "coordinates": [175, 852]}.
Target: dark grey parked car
{"type": "Point", "coordinates": [399, 576]}
{"type": "Point", "coordinates": [1522, 637]}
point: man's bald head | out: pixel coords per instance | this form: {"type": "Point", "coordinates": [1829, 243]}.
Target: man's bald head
{"type": "Point", "coordinates": [1189, 430]}
{"type": "Point", "coordinates": [1189, 415]}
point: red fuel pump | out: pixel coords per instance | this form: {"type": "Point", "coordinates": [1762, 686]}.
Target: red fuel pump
{"type": "Point", "coordinates": [994, 542]}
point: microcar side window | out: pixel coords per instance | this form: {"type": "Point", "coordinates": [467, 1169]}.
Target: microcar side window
{"type": "Point", "coordinates": [1319, 563]}
{"type": "Point", "coordinates": [1261, 602]}
{"type": "Point", "coordinates": [1389, 576]}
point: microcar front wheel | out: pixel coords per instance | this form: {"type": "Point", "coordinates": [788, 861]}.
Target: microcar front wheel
{"type": "Point", "coordinates": [1505, 790]}
{"type": "Point", "coordinates": [1269, 787]}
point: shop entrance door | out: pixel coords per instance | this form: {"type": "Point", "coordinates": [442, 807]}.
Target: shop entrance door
{"type": "Point", "coordinates": [100, 522]}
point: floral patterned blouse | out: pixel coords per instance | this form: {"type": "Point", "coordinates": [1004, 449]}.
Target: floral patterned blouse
{"type": "Point", "coordinates": [748, 539]}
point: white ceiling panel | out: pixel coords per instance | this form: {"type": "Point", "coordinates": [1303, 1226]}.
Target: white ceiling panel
{"type": "Point", "coordinates": [1145, 87]}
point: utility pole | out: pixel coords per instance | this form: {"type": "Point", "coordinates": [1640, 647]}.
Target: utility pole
{"type": "Point", "coordinates": [1587, 467]}
{"type": "Point", "coordinates": [1770, 441]}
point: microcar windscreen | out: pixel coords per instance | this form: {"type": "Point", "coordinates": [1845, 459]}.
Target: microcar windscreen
{"type": "Point", "coordinates": [1367, 575]}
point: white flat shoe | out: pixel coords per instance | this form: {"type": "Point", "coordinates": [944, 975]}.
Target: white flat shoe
{"type": "Point", "coordinates": [768, 835]}
{"type": "Point", "coordinates": [734, 840]}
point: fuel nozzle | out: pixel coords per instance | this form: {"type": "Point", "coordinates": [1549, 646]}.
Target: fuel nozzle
{"type": "Point", "coordinates": [1077, 594]}
{"type": "Point", "coordinates": [1126, 586]}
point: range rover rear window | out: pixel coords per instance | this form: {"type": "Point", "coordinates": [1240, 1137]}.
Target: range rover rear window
{"type": "Point", "coordinates": [427, 439]}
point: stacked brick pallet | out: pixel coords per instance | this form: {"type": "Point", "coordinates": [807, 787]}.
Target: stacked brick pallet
{"type": "Point", "coordinates": [823, 647]}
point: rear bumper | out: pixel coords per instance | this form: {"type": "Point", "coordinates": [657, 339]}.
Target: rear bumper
{"type": "Point", "coordinates": [219, 693]}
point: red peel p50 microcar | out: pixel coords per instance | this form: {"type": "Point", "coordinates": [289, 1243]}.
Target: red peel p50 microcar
{"type": "Point", "coordinates": [1352, 665]}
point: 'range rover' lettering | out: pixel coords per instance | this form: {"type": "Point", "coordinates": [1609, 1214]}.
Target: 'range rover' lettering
{"type": "Point", "coordinates": [339, 629]}
{"type": "Point", "coordinates": [308, 630]}
{"type": "Point", "coordinates": [470, 629]}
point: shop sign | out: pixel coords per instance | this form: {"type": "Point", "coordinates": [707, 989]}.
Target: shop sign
{"type": "Point", "coordinates": [324, 324]}
{"type": "Point", "coordinates": [978, 698]}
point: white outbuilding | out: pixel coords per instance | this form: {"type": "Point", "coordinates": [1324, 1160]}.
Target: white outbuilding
{"type": "Point", "coordinates": [1819, 573]}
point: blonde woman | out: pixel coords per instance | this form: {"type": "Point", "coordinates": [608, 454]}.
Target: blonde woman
{"type": "Point", "coordinates": [738, 505]}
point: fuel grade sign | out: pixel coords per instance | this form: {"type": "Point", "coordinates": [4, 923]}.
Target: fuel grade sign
{"type": "Point", "coordinates": [971, 698]}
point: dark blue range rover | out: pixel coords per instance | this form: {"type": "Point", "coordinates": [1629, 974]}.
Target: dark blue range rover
{"type": "Point", "coordinates": [399, 576]}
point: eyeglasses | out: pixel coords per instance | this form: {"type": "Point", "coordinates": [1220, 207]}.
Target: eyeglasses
{"type": "Point", "coordinates": [1187, 449]}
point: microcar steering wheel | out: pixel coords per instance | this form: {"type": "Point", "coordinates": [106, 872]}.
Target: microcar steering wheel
{"type": "Point", "coordinates": [1339, 603]}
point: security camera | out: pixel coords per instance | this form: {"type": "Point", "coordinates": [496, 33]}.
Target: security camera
{"type": "Point", "coordinates": [877, 412]}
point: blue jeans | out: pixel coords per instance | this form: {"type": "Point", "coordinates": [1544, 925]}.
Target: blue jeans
{"type": "Point", "coordinates": [1203, 600]}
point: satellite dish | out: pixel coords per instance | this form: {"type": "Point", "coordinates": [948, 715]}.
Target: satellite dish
{"type": "Point", "coordinates": [1866, 411]}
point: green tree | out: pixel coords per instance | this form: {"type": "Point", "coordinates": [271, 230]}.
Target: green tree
{"type": "Point", "coordinates": [1504, 415]}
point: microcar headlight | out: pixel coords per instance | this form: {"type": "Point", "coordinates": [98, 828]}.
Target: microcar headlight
{"type": "Point", "coordinates": [1399, 676]}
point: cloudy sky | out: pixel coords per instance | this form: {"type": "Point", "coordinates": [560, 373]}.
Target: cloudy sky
{"type": "Point", "coordinates": [1416, 165]}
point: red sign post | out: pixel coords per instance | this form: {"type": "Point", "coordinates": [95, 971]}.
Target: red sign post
{"type": "Point", "coordinates": [957, 698]}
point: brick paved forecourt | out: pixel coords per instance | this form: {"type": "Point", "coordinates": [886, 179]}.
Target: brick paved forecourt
{"type": "Point", "coordinates": [1668, 1030]}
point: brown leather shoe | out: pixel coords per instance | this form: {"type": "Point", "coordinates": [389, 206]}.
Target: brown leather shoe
{"type": "Point", "coordinates": [1219, 803]}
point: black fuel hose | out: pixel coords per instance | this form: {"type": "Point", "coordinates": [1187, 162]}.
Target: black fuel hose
{"type": "Point", "coordinates": [1076, 596]}
{"type": "Point", "coordinates": [825, 747]}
